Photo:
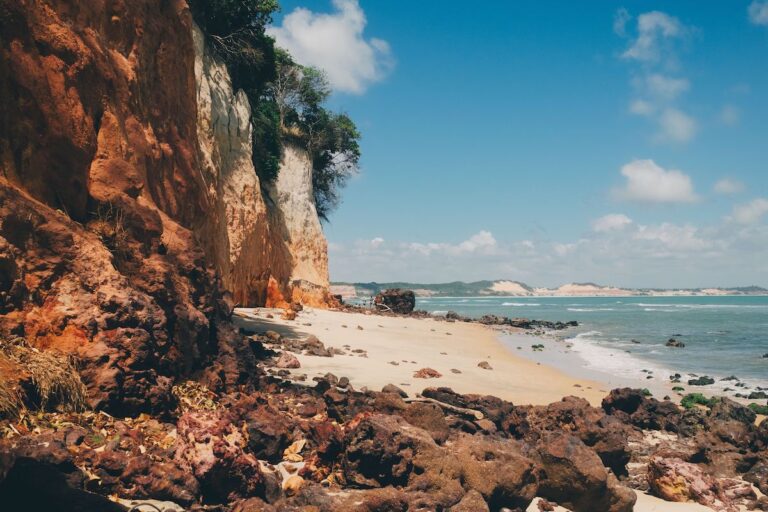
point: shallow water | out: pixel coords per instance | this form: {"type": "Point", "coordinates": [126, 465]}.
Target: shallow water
{"type": "Point", "coordinates": [723, 335]}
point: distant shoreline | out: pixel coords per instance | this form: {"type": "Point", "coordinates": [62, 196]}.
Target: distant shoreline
{"type": "Point", "coordinates": [515, 289]}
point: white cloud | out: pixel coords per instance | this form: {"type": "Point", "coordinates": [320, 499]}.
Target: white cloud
{"type": "Point", "coordinates": [641, 108]}
{"type": "Point", "coordinates": [656, 91]}
{"type": "Point", "coordinates": [653, 28]}
{"type": "Point", "coordinates": [751, 212]}
{"type": "Point", "coordinates": [730, 115]}
{"type": "Point", "coordinates": [482, 241]}
{"type": "Point", "coordinates": [335, 43]}
{"type": "Point", "coordinates": [674, 237]}
{"type": "Point", "coordinates": [376, 242]}
{"type": "Point", "coordinates": [665, 254]}
{"type": "Point", "coordinates": [620, 20]}
{"type": "Point", "coordinates": [728, 186]}
{"type": "Point", "coordinates": [611, 222]}
{"type": "Point", "coordinates": [676, 126]}
{"type": "Point", "coordinates": [758, 12]}
{"type": "Point", "coordinates": [666, 87]}
{"type": "Point", "coordinates": [649, 182]}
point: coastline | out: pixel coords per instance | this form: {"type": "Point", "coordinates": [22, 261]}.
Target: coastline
{"type": "Point", "coordinates": [517, 376]}
{"type": "Point", "coordinates": [431, 343]}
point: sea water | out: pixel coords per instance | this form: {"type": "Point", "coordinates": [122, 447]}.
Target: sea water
{"type": "Point", "coordinates": [723, 336]}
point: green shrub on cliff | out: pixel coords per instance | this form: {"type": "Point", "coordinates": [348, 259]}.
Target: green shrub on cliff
{"type": "Point", "coordinates": [287, 99]}
{"type": "Point", "coordinates": [330, 138]}
{"type": "Point", "coordinates": [235, 28]}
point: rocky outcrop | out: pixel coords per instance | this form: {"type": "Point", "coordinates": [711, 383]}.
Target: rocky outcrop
{"type": "Point", "coordinates": [129, 203]}
{"type": "Point", "coordinates": [100, 193]}
{"type": "Point", "coordinates": [395, 300]}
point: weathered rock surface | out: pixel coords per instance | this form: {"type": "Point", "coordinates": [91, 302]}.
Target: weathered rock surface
{"type": "Point", "coordinates": [396, 300]}
{"type": "Point", "coordinates": [675, 480]}
{"type": "Point", "coordinates": [297, 215]}
{"type": "Point", "coordinates": [129, 202]}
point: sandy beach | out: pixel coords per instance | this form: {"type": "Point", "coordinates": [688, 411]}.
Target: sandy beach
{"type": "Point", "coordinates": [415, 343]}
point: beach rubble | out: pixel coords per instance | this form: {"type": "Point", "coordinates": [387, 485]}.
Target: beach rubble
{"type": "Point", "coordinates": [279, 446]}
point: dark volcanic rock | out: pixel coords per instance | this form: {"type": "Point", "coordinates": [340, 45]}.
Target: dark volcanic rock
{"type": "Point", "coordinates": [37, 475]}
{"type": "Point", "coordinates": [396, 300]}
{"type": "Point", "coordinates": [632, 406]}
{"type": "Point", "coordinates": [380, 450]}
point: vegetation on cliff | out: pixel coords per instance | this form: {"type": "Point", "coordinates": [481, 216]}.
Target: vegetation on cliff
{"type": "Point", "coordinates": [287, 99]}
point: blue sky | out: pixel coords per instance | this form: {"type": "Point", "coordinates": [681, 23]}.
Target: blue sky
{"type": "Point", "coordinates": [618, 142]}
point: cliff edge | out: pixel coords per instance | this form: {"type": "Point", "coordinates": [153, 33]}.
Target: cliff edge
{"type": "Point", "coordinates": [131, 216]}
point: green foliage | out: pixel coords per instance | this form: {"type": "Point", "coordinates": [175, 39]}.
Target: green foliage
{"type": "Point", "coordinates": [235, 28]}
{"type": "Point", "coordinates": [678, 388]}
{"type": "Point", "coordinates": [646, 392]}
{"type": "Point", "coordinates": [335, 156]}
{"type": "Point", "coordinates": [693, 399]}
{"type": "Point", "coordinates": [267, 141]}
{"type": "Point", "coordinates": [330, 138]}
{"type": "Point", "coordinates": [287, 99]}
{"type": "Point", "coordinates": [759, 409]}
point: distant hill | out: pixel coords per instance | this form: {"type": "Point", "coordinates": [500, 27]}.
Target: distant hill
{"type": "Point", "coordinates": [505, 288]}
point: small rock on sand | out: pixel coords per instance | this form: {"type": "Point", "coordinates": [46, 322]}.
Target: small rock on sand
{"type": "Point", "coordinates": [485, 365]}
{"type": "Point", "coordinates": [287, 360]}
{"type": "Point", "coordinates": [427, 373]}
{"type": "Point", "coordinates": [391, 388]}
{"type": "Point", "coordinates": [454, 370]}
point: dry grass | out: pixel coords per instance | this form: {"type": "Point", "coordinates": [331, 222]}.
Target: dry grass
{"type": "Point", "coordinates": [10, 401]}
{"type": "Point", "coordinates": [109, 225]}
{"type": "Point", "coordinates": [54, 377]}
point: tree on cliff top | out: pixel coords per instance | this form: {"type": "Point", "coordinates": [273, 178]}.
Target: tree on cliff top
{"type": "Point", "coordinates": [286, 98]}
{"type": "Point", "coordinates": [235, 28]}
{"type": "Point", "coordinates": [330, 138]}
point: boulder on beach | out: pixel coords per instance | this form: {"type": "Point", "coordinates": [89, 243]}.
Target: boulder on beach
{"type": "Point", "coordinates": [701, 381]}
{"type": "Point", "coordinates": [427, 373]}
{"type": "Point", "coordinates": [396, 300]}
{"type": "Point", "coordinates": [672, 342]}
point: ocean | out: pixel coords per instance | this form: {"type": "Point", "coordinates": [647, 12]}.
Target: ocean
{"type": "Point", "coordinates": [626, 336]}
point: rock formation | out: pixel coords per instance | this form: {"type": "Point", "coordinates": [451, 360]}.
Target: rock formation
{"type": "Point", "coordinates": [129, 204]}
{"type": "Point", "coordinates": [292, 191]}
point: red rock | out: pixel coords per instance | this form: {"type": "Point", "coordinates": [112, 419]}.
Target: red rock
{"type": "Point", "coordinates": [427, 373]}
{"type": "Point", "coordinates": [211, 449]}
{"type": "Point", "coordinates": [676, 480]}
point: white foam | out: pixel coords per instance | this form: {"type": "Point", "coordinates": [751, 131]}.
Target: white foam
{"type": "Point", "coordinates": [520, 304]}
{"type": "Point", "coordinates": [614, 361]}
{"type": "Point", "coordinates": [588, 310]}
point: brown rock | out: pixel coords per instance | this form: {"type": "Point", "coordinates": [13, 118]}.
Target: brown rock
{"type": "Point", "coordinates": [485, 365]}
{"type": "Point", "coordinates": [395, 300]}
{"type": "Point", "coordinates": [427, 373]}
{"type": "Point", "coordinates": [675, 480]}
{"type": "Point", "coordinates": [211, 449]}
{"type": "Point", "coordinates": [287, 360]}
{"type": "Point", "coordinates": [576, 479]}
{"type": "Point", "coordinates": [471, 502]}
{"type": "Point", "coordinates": [380, 450]}
{"type": "Point", "coordinates": [391, 388]}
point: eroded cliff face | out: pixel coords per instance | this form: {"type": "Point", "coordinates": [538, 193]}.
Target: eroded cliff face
{"type": "Point", "coordinates": [240, 234]}
{"type": "Point", "coordinates": [126, 188]}
{"type": "Point", "coordinates": [306, 243]}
